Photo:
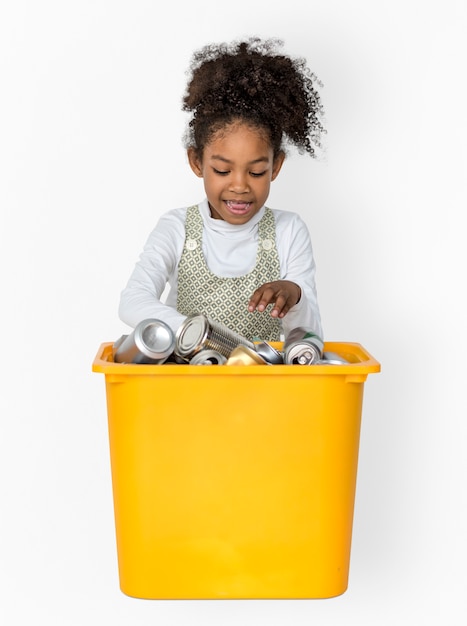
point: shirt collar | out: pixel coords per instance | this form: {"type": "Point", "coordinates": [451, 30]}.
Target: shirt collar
{"type": "Point", "coordinates": [223, 227]}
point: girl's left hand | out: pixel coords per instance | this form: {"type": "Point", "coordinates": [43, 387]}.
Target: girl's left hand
{"type": "Point", "coordinates": [283, 294]}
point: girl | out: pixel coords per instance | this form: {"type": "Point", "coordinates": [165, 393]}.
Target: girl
{"type": "Point", "coordinates": [229, 256]}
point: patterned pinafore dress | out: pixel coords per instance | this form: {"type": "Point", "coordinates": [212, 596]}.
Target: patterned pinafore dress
{"type": "Point", "coordinates": [225, 299]}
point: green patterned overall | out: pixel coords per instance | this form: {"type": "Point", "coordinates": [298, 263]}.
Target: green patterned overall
{"type": "Point", "coordinates": [222, 299]}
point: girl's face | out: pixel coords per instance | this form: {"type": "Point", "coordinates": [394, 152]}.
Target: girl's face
{"type": "Point", "coordinates": [237, 167]}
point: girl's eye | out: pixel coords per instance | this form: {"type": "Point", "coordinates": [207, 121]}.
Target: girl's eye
{"type": "Point", "coordinates": [258, 174]}
{"type": "Point", "coordinates": [221, 173]}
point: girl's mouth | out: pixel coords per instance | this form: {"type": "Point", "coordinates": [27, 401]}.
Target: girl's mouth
{"type": "Point", "coordinates": [237, 206]}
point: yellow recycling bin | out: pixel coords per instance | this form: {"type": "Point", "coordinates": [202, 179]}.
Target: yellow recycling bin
{"type": "Point", "coordinates": [234, 481]}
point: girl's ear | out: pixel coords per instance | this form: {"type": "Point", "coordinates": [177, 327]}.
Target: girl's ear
{"type": "Point", "coordinates": [276, 166]}
{"type": "Point", "coordinates": [195, 162]}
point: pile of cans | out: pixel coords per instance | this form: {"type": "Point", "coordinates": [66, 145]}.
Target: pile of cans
{"type": "Point", "coordinates": [201, 341]}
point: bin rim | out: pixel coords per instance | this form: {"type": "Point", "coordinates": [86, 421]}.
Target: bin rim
{"type": "Point", "coordinates": [361, 363]}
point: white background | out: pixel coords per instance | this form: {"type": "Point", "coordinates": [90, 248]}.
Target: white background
{"type": "Point", "coordinates": [91, 155]}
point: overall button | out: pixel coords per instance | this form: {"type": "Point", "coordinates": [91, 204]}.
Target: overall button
{"type": "Point", "coordinates": [267, 244]}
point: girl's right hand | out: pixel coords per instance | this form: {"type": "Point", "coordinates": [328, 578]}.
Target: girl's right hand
{"type": "Point", "coordinates": [283, 294]}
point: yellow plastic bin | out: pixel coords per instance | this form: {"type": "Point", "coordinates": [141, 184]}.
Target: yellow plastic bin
{"type": "Point", "coordinates": [234, 481]}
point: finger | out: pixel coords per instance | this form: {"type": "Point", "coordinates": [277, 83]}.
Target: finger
{"type": "Point", "coordinates": [261, 298]}
{"type": "Point", "coordinates": [281, 306]}
{"type": "Point", "coordinates": [254, 300]}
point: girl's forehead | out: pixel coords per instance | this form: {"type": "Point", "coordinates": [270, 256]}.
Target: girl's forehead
{"type": "Point", "coordinates": [242, 128]}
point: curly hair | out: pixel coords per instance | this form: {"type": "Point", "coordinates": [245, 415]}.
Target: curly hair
{"type": "Point", "coordinates": [250, 81]}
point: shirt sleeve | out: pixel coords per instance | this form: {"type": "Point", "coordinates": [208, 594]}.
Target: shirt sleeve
{"type": "Point", "coordinates": [155, 269]}
{"type": "Point", "coordinates": [298, 265]}
{"type": "Point", "coordinates": [144, 296]}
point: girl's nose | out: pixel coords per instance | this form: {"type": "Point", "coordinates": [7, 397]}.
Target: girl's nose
{"type": "Point", "coordinates": [239, 183]}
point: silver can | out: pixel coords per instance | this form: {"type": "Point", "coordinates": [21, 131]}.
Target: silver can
{"type": "Point", "coordinates": [117, 344]}
{"type": "Point", "coordinates": [152, 341]}
{"type": "Point", "coordinates": [332, 358]}
{"type": "Point", "coordinates": [208, 357]}
{"type": "Point", "coordinates": [302, 347]}
{"type": "Point", "coordinates": [269, 353]}
{"type": "Point", "coordinates": [198, 333]}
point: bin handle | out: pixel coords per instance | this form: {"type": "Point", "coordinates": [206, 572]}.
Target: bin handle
{"type": "Point", "coordinates": [356, 378]}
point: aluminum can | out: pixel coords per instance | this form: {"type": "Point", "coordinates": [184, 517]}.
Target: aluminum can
{"type": "Point", "coordinates": [117, 344]}
{"type": "Point", "coordinates": [198, 332]}
{"type": "Point", "coordinates": [302, 347]}
{"type": "Point", "coordinates": [243, 355]}
{"type": "Point", "coordinates": [152, 341]}
{"type": "Point", "coordinates": [332, 358]}
{"type": "Point", "coordinates": [269, 353]}
{"type": "Point", "coordinates": [208, 357]}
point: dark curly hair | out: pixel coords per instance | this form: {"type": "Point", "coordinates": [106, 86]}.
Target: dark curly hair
{"type": "Point", "coordinates": [252, 82]}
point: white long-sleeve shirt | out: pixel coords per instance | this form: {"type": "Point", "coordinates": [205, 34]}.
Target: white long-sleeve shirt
{"type": "Point", "coordinates": [229, 250]}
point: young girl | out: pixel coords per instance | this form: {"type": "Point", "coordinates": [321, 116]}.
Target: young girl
{"type": "Point", "coordinates": [229, 256]}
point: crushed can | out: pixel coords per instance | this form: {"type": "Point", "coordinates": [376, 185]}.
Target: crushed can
{"type": "Point", "coordinates": [302, 347]}
{"type": "Point", "coordinates": [198, 332]}
{"type": "Point", "coordinates": [243, 355]}
{"type": "Point", "coordinates": [151, 342]}
{"type": "Point", "coordinates": [269, 353]}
